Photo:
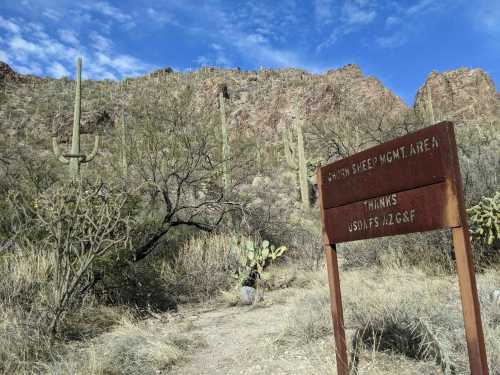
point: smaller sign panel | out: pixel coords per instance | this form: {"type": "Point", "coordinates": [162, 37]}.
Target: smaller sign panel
{"type": "Point", "coordinates": [418, 210]}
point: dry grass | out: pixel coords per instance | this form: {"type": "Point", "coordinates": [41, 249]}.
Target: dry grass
{"type": "Point", "coordinates": [400, 311]}
{"type": "Point", "coordinates": [147, 347]}
{"type": "Point", "coordinates": [25, 295]}
{"type": "Point", "coordinates": [204, 266]}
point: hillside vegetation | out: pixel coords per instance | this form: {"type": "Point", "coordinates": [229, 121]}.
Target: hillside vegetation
{"type": "Point", "coordinates": [203, 183]}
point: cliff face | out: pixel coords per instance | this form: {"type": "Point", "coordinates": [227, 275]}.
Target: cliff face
{"type": "Point", "coordinates": [260, 102]}
{"type": "Point", "coordinates": [458, 95]}
{"type": "Point", "coordinates": [268, 100]}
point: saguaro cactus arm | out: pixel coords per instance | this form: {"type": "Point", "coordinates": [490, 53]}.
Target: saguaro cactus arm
{"type": "Point", "coordinates": [58, 152]}
{"type": "Point", "coordinates": [91, 156]}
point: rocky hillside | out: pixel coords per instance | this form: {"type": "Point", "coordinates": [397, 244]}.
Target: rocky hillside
{"type": "Point", "coordinates": [462, 94]}
{"type": "Point", "coordinates": [259, 102]}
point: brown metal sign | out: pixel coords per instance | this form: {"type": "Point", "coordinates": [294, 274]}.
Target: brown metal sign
{"type": "Point", "coordinates": [412, 161]}
{"type": "Point", "coordinates": [416, 210]}
{"type": "Point", "coordinates": [411, 184]}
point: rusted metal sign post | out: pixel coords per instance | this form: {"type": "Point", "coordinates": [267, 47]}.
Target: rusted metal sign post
{"type": "Point", "coordinates": [410, 184]}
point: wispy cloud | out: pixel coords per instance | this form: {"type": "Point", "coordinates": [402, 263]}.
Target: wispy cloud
{"type": "Point", "coordinates": [30, 49]}
{"type": "Point", "coordinates": [487, 16]}
{"type": "Point", "coordinates": [68, 36]}
{"type": "Point", "coordinates": [52, 14]}
{"type": "Point", "coordinates": [100, 42]}
{"type": "Point", "coordinates": [257, 33]}
{"type": "Point", "coordinates": [323, 11]}
{"type": "Point", "coordinates": [57, 70]}
{"type": "Point", "coordinates": [107, 9]}
{"type": "Point", "coordinates": [4, 57]}
{"type": "Point", "coordinates": [392, 21]}
{"type": "Point", "coordinates": [353, 16]}
{"type": "Point", "coordinates": [160, 17]}
{"type": "Point", "coordinates": [392, 41]}
{"type": "Point", "coordinates": [402, 22]}
{"type": "Point", "coordinates": [358, 12]}
{"type": "Point", "coordinates": [9, 25]}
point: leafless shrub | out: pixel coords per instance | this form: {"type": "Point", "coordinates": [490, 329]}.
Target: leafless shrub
{"type": "Point", "coordinates": [73, 225]}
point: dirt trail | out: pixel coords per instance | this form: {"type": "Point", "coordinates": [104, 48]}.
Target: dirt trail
{"type": "Point", "coordinates": [240, 341]}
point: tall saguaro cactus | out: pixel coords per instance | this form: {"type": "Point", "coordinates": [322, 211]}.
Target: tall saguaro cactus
{"type": "Point", "coordinates": [295, 157]}
{"type": "Point", "coordinates": [430, 107]}
{"type": "Point", "coordinates": [225, 144]}
{"type": "Point", "coordinates": [124, 150]}
{"type": "Point", "coordinates": [75, 158]}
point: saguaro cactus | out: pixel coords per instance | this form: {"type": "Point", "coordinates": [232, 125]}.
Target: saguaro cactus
{"type": "Point", "coordinates": [430, 107]}
{"type": "Point", "coordinates": [226, 153]}
{"type": "Point", "coordinates": [295, 157]}
{"type": "Point", "coordinates": [124, 149]}
{"type": "Point", "coordinates": [75, 158]}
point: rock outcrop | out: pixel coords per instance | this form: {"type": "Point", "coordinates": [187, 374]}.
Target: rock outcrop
{"type": "Point", "coordinates": [458, 95]}
{"type": "Point", "coordinates": [7, 73]}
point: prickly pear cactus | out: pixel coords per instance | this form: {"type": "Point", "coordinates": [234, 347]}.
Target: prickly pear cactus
{"type": "Point", "coordinates": [485, 220]}
{"type": "Point", "coordinates": [256, 258]}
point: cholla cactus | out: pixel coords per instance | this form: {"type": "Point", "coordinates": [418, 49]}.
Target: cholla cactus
{"type": "Point", "coordinates": [75, 158]}
{"type": "Point", "coordinates": [485, 220]}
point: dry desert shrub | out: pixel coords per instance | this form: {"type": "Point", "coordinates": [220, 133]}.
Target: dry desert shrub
{"type": "Point", "coordinates": [23, 345]}
{"type": "Point", "coordinates": [24, 293]}
{"type": "Point", "coordinates": [401, 311]}
{"type": "Point", "coordinates": [204, 266]}
{"type": "Point", "coordinates": [430, 252]}
{"type": "Point", "coordinates": [134, 347]}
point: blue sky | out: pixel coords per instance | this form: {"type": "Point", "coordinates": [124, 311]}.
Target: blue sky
{"type": "Point", "coordinates": [399, 42]}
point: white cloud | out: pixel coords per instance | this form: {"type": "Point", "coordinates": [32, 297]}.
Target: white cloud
{"type": "Point", "coordinates": [488, 16]}
{"type": "Point", "coordinates": [53, 14]}
{"type": "Point", "coordinates": [9, 25]}
{"type": "Point", "coordinates": [356, 12]}
{"type": "Point", "coordinates": [4, 57]}
{"type": "Point", "coordinates": [403, 22]}
{"type": "Point", "coordinates": [100, 42]}
{"type": "Point", "coordinates": [57, 70]}
{"type": "Point", "coordinates": [32, 68]}
{"type": "Point", "coordinates": [392, 21]}
{"type": "Point", "coordinates": [59, 51]}
{"type": "Point", "coordinates": [107, 9]}
{"type": "Point", "coordinates": [22, 47]}
{"type": "Point", "coordinates": [262, 52]}
{"type": "Point", "coordinates": [32, 51]}
{"type": "Point", "coordinates": [391, 41]}
{"type": "Point", "coordinates": [421, 6]}
{"type": "Point", "coordinates": [202, 61]}
{"type": "Point", "coordinates": [68, 36]}
{"type": "Point", "coordinates": [125, 64]}
{"type": "Point", "coordinates": [160, 17]}
{"type": "Point", "coordinates": [323, 11]}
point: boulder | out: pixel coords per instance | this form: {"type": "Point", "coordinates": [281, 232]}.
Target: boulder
{"type": "Point", "coordinates": [247, 295]}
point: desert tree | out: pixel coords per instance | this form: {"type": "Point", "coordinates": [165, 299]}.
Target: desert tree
{"type": "Point", "coordinates": [175, 158]}
{"type": "Point", "coordinates": [354, 126]}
